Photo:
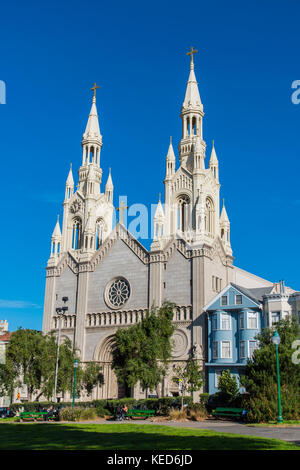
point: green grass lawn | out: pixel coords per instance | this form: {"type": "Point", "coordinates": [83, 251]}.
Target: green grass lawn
{"type": "Point", "coordinates": [275, 424]}
{"type": "Point", "coordinates": [66, 436]}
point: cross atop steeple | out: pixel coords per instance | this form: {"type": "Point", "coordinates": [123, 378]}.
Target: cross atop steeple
{"type": "Point", "coordinates": [191, 53]}
{"type": "Point", "coordinates": [94, 88]}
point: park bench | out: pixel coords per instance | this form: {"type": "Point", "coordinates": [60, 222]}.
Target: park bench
{"type": "Point", "coordinates": [139, 414]}
{"type": "Point", "coordinates": [33, 415]}
{"type": "Point", "coordinates": [229, 412]}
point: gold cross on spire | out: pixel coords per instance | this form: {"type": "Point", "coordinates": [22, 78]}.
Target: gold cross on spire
{"type": "Point", "coordinates": [95, 88]}
{"type": "Point", "coordinates": [191, 53]}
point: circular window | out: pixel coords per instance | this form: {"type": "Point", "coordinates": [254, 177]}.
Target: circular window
{"type": "Point", "coordinates": [117, 292]}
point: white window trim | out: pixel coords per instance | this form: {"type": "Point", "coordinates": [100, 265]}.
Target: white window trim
{"type": "Point", "coordinates": [238, 295]}
{"type": "Point", "coordinates": [230, 349]}
{"type": "Point", "coordinates": [228, 316]}
{"type": "Point", "coordinates": [271, 317]}
{"type": "Point", "coordinates": [254, 341]}
{"type": "Point", "coordinates": [226, 296]}
{"type": "Point", "coordinates": [256, 316]}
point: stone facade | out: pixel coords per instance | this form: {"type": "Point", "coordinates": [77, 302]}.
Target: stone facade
{"type": "Point", "coordinates": [111, 280]}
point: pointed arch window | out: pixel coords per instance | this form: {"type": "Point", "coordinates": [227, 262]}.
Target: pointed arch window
{"type": "Point", "coordinates": [183, 204]}
{"type": "Point", "coordinates": [99, 233]}
{"type": "Point", "coordinates": [76, 234]}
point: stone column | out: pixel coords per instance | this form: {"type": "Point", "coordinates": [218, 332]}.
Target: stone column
{"type": "Point", "coordinates": [155, 287]}
{"type": "Point", "coordinates": [49, 302]}
{"type": "Point", "coordinates": [81, 310]}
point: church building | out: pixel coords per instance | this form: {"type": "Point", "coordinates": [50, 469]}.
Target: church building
{"type": "Point", "coordinates": [108, 279]}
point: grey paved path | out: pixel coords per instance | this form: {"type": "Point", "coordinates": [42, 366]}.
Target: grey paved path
{"type": "Point", "coordinates": [290, 433]}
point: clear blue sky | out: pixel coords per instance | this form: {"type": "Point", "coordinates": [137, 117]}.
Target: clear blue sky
{"type": "Point", "coordinates": [51, 54]}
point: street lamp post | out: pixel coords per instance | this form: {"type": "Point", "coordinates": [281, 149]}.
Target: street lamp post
{"type": "Point", "coordinates": [276, 341]}
{"type": "Point", "coordinates": [75, 365]}
{"type": "Point", "coordinates": [60, 311]}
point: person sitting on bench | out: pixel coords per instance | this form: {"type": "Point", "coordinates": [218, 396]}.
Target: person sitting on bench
{"type": "Point", "coordinates": [124, 411]}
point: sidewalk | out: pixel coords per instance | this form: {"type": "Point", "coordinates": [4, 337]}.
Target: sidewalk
{"type": "Point", "coordinates": [290, 433]}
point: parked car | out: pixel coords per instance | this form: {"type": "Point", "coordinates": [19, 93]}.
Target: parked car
{"type": "Point", "coordinates": [5, 412]}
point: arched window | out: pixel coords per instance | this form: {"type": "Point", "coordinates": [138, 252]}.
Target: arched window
{"type": "Point", "coordinates": [209, 216]}
{"type": "Point", "coordinates": [99, 232]}
{"type": "Point", "coordinates": [183, 203]}
{"type": "Point", "coordinates": [76, 234]}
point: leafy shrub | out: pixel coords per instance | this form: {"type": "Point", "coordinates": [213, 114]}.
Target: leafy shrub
{"type": "Point", "coordinates": [88, 414]}
{"type": "Point", "coordinates": [264, 406]}
{"type": "Point", "coordinates": [203, 398]}
{"type": "Point", "coordinates": [102, 412]}
{"type": "Point", "coordinates": [70, 414]}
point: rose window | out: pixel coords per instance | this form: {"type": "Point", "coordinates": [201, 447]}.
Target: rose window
{"type": "Point", "coordinates": [118, 292]}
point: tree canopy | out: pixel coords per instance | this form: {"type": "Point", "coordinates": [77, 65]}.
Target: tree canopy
{"type": "Point", "coordinates": [31, 359]}
{"type": "Point", "coordinates": [142, 351]}
{"type": "Point", "coordinates": [260, 375]}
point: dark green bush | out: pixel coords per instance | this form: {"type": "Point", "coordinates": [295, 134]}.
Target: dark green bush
{"type": "Point", "coordinates": [102, 412]}
{"type": "Point", "coordinates": [203, 398]}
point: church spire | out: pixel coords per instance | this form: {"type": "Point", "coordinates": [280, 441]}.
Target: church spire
{"type": "Point", "coordinates": [191, 115]}
{"type": "Point", "coordinates": [92, 138]}
{"type": "Point", "coordinates": [192, 96]}
{"type": "Point", "coordinates": [91, 148]}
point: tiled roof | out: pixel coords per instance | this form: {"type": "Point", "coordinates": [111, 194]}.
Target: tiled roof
{"type": "Point", "coordinates": [5, 337]}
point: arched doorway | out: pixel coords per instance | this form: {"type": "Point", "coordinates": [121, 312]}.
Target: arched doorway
{"type": "Point", "coordinates": [111, 388]}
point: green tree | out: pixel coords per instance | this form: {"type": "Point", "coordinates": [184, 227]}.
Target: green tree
{"type": "Point", "coordinates": [228, 384]}
{"type": "Point", "coordinates": [189, 377]}
{"type": "Point", "coordinates": [142, 351]}
{"type": "Point", "coordinates": [31, 359]}
{"type": "Point", "coordinates": [65, 372]}
{"type": "Point", "coordinates": [23, 361]}
{"type": "Point", "coordinates": [90, 376]}
{"type": "Point", "coordinates": [260, 376]}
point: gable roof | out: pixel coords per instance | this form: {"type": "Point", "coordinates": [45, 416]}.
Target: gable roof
{"type": "Point", "coordinates": [254, 295]}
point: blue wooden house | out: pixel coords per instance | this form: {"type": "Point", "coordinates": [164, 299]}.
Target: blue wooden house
{"type": "Point", "coordinates": [235, 317]}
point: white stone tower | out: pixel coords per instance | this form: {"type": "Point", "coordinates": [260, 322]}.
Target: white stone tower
{"type": "Point", "coordinates": [192, 192]}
